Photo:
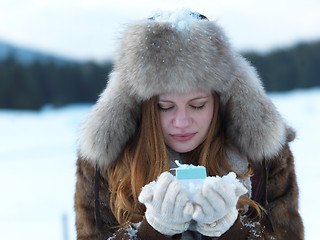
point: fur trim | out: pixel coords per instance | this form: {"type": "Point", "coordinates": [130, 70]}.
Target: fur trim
{"type": "Point", "coordinates": [156, 58]}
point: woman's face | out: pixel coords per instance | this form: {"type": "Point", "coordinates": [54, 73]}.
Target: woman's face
{"type": "Point", "coordinates": [185, 119]}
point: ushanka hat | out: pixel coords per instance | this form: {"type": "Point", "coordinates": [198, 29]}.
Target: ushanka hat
{"type": "Point", "coordinates": [179, 52]}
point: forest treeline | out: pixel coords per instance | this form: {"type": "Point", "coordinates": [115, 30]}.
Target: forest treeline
{"type": "Point", "coordinates": [287, 69]}
{"type": "Point", "coordinates": [30, 86]}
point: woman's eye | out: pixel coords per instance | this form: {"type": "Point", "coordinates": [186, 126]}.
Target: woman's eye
{"type": "Point", "coordinates": [197, 107]}
{"type": "Point", "coordinates": [164, 108]}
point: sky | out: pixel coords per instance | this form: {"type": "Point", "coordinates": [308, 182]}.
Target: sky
{"type": "Point", "coordinates": [91, 29]}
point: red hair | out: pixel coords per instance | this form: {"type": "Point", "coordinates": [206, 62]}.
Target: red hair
{"type": "Point", "coordinates": [145, 157]}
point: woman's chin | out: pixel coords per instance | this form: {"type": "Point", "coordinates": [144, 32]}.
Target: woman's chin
{"type": "Point", "coordinates": [183, 148]}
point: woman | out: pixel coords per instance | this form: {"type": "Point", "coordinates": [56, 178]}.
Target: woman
{"type": "Point", "coordinates": [179, 91]}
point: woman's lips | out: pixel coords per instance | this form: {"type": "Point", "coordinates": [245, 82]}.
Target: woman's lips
{"type": "Point", "coordinates": [183, 136]}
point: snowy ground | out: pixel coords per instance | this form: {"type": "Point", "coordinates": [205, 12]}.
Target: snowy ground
{"type": "Point", "coordinates": [37, 166]}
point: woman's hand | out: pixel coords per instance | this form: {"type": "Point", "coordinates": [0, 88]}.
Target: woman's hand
{"type": "Point", "coordinates": [168, 209]}
{"type": "Point", "coordinates": [215, 205]}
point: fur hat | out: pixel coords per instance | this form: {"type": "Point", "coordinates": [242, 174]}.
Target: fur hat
{"type": "Point", "coordinates": [180, 54]}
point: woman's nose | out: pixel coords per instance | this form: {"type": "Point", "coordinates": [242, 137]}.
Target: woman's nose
{"type": "Point", "coordinates": [181, 119]}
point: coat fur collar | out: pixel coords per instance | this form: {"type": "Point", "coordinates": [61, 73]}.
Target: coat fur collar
{"type": "Point", "coordinates": [156, 58]}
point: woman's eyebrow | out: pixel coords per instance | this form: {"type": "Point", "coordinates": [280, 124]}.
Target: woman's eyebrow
{"type": "Point", "coordinates": [164, 100]}
{"type": "Point", "coordinates": [192, 99]}
{"type": "Point", "coordinates": [199, 98]}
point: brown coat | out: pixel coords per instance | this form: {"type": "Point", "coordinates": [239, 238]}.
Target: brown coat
{"type": "Point", "coordinates": [282, 196]}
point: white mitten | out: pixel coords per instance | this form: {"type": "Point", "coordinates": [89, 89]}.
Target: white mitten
{"type": "Point", "coordinates": [215, 205]}
{"type": "Point", "coordinates": [168, 209]}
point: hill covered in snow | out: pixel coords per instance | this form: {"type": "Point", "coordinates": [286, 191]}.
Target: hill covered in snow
{"type": "Point", "coordinates": [27, 56]}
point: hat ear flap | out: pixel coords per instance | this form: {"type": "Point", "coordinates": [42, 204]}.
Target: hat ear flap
{"type": "Point", "coordinates": [254, 124]}
{"type": "Point", "coordinates": [110, 124]}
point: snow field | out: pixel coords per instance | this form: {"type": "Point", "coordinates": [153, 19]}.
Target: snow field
{"type": "Point", "coordinates": [38, 155]}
